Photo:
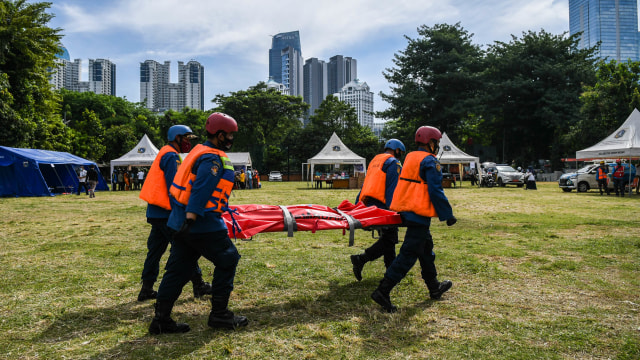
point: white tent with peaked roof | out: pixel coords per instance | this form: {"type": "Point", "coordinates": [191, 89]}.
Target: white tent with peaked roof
{"type": "Point", "coordinates": [142, 154]}
{"type": "Point", "coordinates": [622, 143]}
{"type": "Point", "coordinates": [336, 152]}
{"type": "Point", "coordinates": [451, 154]}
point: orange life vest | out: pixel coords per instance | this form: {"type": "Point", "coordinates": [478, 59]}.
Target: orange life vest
{"type": "Point", "coordinates": [154, 191]}
{"type": "Point", "coordinates": [412, 193]}
{"type": "Point", "coordinates": [602, 174]}
{"type": "Point", "coordinates": [375, 182]}
{"type": "Point", "coordinates": [183, 181]}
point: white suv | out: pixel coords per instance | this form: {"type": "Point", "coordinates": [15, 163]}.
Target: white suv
{"type": "Point", "coordinates": [509, 176]}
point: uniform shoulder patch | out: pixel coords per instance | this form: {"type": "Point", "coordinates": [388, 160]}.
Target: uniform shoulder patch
{"type": "Point", "coordinates": [438, 167]}
{"type": "Point", "coordinates": [215, 168]}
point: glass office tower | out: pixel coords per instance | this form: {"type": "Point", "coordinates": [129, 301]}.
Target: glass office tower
{"type": "Point", "coordinates": [280, 42]}
{"type": "Point", "coordinates": [613, 22]}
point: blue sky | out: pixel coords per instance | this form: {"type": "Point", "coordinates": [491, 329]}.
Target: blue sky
{"type": "Point", "coordinates": [231, 39]}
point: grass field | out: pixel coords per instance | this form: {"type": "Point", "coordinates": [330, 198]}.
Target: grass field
{"type": "Point", "coordinates": [537, 275]}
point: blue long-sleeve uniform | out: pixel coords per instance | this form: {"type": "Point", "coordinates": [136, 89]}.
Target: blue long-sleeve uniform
{"type": "Point", "coordinates": [209, 170]}
{"type": "Point", "coordinates": [430, 173]}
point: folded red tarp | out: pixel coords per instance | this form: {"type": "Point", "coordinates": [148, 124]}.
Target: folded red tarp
{"type": "Point", "coordinates": [253, 219]}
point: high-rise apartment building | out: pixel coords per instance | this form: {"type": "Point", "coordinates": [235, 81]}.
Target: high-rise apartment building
{"type": "Point", "coordinates": [357, 94]}
{"type": "Point", "coordinates": [158, 93]}
{"type": "Point", "coordinates": [613, 22]}
{"type": "Point", "coordinates": [341, 70]}
{"type": "Point", "coordinates": [286, 63]}
{"type": "Point", "coordinates": [191, 76]}
{"type": "Point", "coordinates": [102, 76]}
{"type": "Point", "coordinates": [315, 84]}
{"type": "Point", "coordinates": [66, 75]}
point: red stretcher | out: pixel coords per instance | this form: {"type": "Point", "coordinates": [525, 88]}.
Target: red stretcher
{"type": "Point", "coordinates": [245, 221]}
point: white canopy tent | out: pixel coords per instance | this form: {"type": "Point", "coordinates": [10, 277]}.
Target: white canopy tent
{"type": "Point", "coordinates": [142, 154]}
{"type": "Point", "coordinates": [240, 159]}
{"type": "Point", "coordinates": [624, 143]}
{"type": "Point", "coordinates": [335, 152]}
{"type": "Point", "coordinates": [451, 154]}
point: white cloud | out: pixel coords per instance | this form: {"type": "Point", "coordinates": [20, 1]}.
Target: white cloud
{"type": "Point", "coordinates": [232, 38]}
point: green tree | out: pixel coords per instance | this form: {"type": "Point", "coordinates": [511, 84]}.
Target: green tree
{"type": "Point", "coordinates": [606, 104]}
{"type": "Point", "coordinates": [436, 78]}
{"type": "Point", "coordinates": [27, 52]}
{"type": "Point", "coordinates": [533, 94]}
{"type": "Point", "coordinates": [119, 140]}
{"type": "Point", "coordinates": [110, 111]}
{"type": "Point", "coordinates": [264, 116]}
{"type": "Point", "coordinates": [87, 136]}
{"type": "Point", "coordinates": [195, 119]}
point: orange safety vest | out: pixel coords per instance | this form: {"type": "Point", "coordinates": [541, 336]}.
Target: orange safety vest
{"type": "Point", "coordinates": [602, 175]}
{"type": "Point", "coordinates": [412, 193]}
{"type": "Point", "coordinates": [154, 191]}
{"type": "Point", "coordinates": [183, 181]}
{"type": "Point", "coordinates": [375, 182]}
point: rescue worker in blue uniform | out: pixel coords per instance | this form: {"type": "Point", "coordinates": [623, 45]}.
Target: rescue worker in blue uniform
{"type": "Point", "coordinates": [618, 178]}
{"type": "Point", "coordinates": [601, 177]}
{"type": "Point", "coordinates": [418, 197]}
{"type": "Point", "coordinates": [200, 193]}
{"type": "Point", "coordinates": [156, 193]}
{"type": "Point", "coordinates": [377, 190]}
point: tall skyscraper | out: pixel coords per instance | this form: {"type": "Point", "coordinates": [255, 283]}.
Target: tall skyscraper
{"type": "Point", "coordinates": [357, 94]}
{"type": "Point", "coordinates": [285, 61]}
{"type": "Point", "coordinates": [66, 75]}
{"type": "Point", "coordinates": [315, 84]}
{"type": "Point", "coordinates": [191, 76]}
{"type": "Point", "coordinates": [102, 76]}
{"type": "Point", "coordinates": [159, 94]}
{"type": "Point", "coordinates": [614, 22]}
{"type": "Point", "coordinates": [342, 70]}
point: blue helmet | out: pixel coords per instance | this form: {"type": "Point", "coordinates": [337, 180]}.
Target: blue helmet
{"type": "Point", "coordinates": [176, 130]}
{"type": "Point", "coordinates": [394, 144]}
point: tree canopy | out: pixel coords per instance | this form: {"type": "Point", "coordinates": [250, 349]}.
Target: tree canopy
{"type": "Point", "coordinates": [28, 114]}
{"type": "Point", "coordinates": [607, 103]}
{"type": "Point", "coordinates": [436, 80]}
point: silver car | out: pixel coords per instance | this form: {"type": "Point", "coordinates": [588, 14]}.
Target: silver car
{"type": "Point", "coordinates": [275, 176]}
{"type": "Point", "coordinates": [509, 176]}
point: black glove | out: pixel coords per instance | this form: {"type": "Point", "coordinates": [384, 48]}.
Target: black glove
{"type": "Point", "coordinates": [183, 233]}
{"type": "Point", "coordinates": [451, 221]}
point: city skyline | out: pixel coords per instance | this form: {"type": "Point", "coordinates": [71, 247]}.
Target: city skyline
{"type": "Point", "coordinates": [233, 44]}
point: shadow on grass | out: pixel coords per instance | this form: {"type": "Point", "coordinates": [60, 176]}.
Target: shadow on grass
{"type": "Point", "coordinates": [340, 304]}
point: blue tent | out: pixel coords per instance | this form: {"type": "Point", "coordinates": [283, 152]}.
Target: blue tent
{"type": "Point", "coordinates": [31, 172]}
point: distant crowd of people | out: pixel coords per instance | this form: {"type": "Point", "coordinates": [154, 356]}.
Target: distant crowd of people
{"type": "Point", "coordinates": [125, 179]}
{"type": "Point", "coordinates": [247, 180]}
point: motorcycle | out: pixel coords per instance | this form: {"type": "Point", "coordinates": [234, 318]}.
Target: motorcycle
{"type": "Point", "coordinates": [487, 180]}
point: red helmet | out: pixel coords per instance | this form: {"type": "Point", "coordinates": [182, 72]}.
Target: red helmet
{"type": "Point", "coordinates": [221, 122]}
{"type": "Point", "coordinates": [424, 134]}
{"type": "Point", "coordinates": [618, 161]}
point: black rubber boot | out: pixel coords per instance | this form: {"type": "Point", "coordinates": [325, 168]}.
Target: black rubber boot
{"type": "Point", "coordinates": [381, 295]}
{"type": "Point", "coordinates": [147, 292]}
{"type": "Point", "coordinates": [200, 287]}
{"type": "Point", "coordinates": [358, 262]}
{"type": "Point", "coordinates": [223, 318]}
{"type": "Point", "coordinates": [162, 322]}
{"type": "Point", "coordinates": [436, 289]}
